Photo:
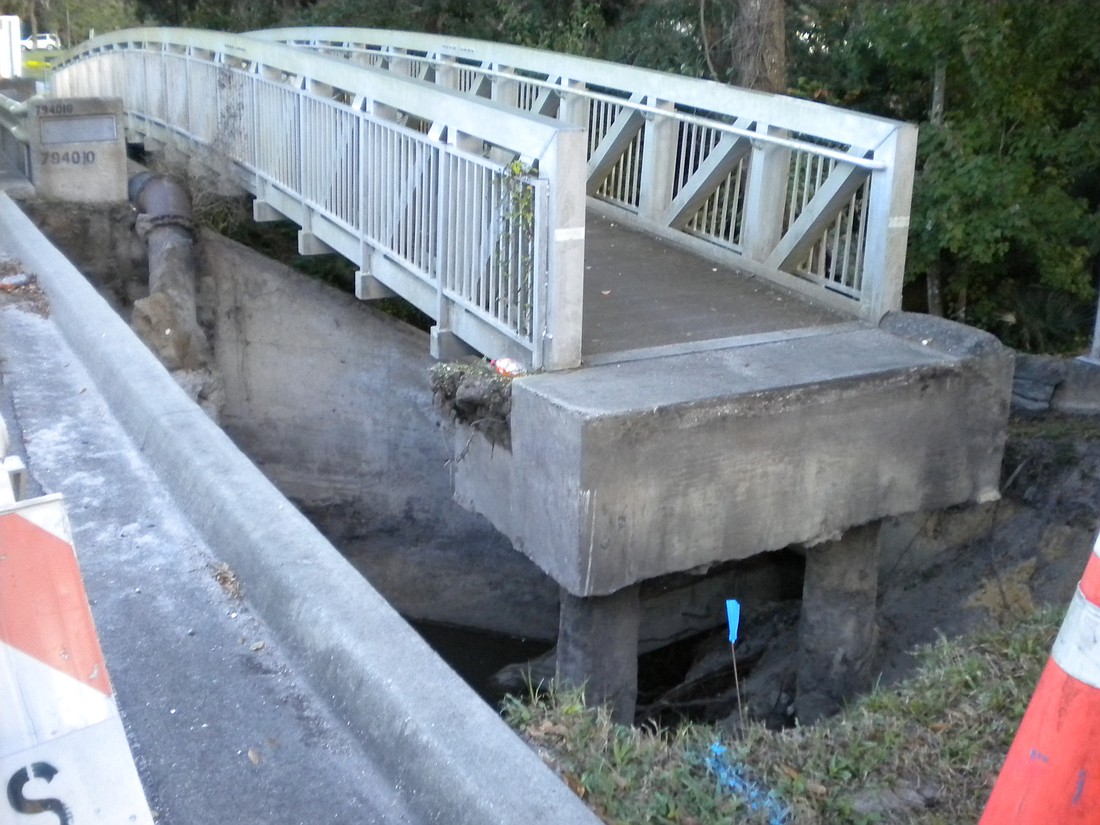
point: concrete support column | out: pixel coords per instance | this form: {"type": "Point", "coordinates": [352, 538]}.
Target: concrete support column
{"type": "Point", "coordinates": [598, 648]}
{"type": "Point", "coordinates": [837, 631]}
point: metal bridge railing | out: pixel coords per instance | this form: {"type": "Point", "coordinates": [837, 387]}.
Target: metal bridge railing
{"type": "Point", "coordinates": [812, 196]}
{"type": "Point", "coordinates": [473, 212]}
{"type": "Point", "coordinates": [16, 101]}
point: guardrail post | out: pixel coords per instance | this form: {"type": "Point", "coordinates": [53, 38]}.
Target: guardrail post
{"type": "Point", "coordinates": [890, 193]}
{"type": "Point", "coordinates": [505, 89]}
{"type": "Point", "coordinates": [564, 166]}
{"type": "Point", "coordinates": [765, 196]}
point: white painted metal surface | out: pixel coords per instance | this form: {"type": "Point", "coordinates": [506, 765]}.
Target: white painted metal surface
{"type": "Point", "coordinates": [448, 204]}
{"type": "Point", "coordinates": [454, 172]}
{"type": "Point", "coordinates": [812, 196]}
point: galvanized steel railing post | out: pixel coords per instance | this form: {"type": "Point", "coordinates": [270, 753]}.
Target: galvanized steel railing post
{"type": "Point", "coordinates": [563, 165]}
{"type": "Point", "coordinates": [891, 191]}
{"type": "Point", "coordinates": [765, 196]}
{"type": "Point", "coordinates": [658, 162]}
{"type": "Point", "coordinates": [573, 108]}
{"type": "Point", "coordinates": [505, 89]}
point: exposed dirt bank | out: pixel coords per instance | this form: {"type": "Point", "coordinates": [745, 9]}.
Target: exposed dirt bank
{"type": "Point", "coordinates": [948, 573]}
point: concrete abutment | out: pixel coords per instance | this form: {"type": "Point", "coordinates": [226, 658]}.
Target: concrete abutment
{"type": "Point", "coordinates": [624, 473]}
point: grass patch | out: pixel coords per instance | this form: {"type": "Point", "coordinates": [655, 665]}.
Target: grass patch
{"type": "Point", "coordinates": [924, 751]}
{"type": "Point", "coordinates": [37, 63]}
{"type": "Point", "coordinates": [1055, 427]}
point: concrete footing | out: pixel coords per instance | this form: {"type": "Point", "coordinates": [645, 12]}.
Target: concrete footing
{"type": "Point", "coordinates": [837, 631]}
{"type": "Point", "coordinates": [598, 648]}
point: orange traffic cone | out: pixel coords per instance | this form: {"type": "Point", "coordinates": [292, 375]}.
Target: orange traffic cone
{"type": "Point", "coordinates": [1052, 771]}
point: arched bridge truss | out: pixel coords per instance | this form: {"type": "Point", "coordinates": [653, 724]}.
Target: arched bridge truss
{"type": "Point", "coordinates": [458, 173]}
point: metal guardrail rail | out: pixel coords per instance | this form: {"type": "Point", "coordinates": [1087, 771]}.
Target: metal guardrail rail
{"type": "Point", "coordinates": [14, 136]}
{"type": "Point", "coordinates": [474, 213]}
{"type": "Point", "coordinates": [814, 197]}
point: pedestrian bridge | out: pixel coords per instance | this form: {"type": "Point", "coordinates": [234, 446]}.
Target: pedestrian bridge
{"type": "Point", "coordinates": [546, 207]}
{"type": "Point", "coordinates": [706, 282]}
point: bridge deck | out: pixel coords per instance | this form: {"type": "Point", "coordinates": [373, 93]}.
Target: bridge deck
{"type": "Point", "coordinates": [643, 294]}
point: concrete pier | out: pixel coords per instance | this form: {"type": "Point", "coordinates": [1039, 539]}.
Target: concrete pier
{"type": "Point", "coordinates": [598, 648]}
{"type": "Point", "coordinates": [837, 631]}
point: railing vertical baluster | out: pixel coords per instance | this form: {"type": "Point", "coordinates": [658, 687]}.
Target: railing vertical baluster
{"type": "Point", "coordinates": [658, 162]}
{"type": "Point", "coordinates": [362, 188]}
{"type": "Point", "coordinates": [843, 274]}
{"type": "Point", "coordinates": [860, 245]}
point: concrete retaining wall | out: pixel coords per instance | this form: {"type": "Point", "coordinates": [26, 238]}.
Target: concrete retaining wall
{"type": "Point", "coordinates": [330, 396]}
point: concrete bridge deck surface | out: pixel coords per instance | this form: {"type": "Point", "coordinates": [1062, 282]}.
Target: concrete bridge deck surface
{"type": "Point", "coordinates": [643, 296]}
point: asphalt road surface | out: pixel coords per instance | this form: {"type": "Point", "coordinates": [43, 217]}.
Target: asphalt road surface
{"type": "Point", "coordinates": [222, 728]}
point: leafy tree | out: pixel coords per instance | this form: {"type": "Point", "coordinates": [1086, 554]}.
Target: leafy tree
{"type": "Point", "coordinates": [82, 17]}
{"type": "Point", "coordinates": [660, 34]}
{"type": "Point", "coordinates": [1005, 203]}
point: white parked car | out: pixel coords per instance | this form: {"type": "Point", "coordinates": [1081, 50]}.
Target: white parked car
{"type": "Point", "coordinates": [41, 41]}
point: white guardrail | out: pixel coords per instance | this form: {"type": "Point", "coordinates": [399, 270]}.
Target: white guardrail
{"type": "Point", "coordinates": [812, 196]}
{"type": "Point", "coordinates": [474, 213]}
{"type": "Point", "coordinates": [15, 107]}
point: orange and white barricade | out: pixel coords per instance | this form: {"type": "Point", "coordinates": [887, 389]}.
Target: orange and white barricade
{"type": "Point", "coordinates": [63, 749]}
{"type": "Point", "coordinates": [1052, 772]}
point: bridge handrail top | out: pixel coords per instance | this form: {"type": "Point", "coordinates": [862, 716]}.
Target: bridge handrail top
{"type": "Point", "coordinates": [782, 111]}
{"type": "Point", "coordinates": [528, 133]}
{"type": "Point", "coordinates": [853, 158]}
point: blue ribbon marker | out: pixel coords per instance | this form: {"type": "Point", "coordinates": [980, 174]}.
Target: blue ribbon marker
{"type": "Point", "coordinates": [733, 613]}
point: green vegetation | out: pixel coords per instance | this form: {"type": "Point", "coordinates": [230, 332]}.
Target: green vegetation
{"type": "Point", "coordinates": [924, 751]}
{"type": "Point", "coordinates": [1005, 204]}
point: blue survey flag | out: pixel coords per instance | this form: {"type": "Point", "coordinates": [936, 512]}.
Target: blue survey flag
{"type": "Point", "coordinates": [733, 613]}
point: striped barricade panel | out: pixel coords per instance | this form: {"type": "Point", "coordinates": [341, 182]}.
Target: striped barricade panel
{"type": "Point", "coordinates": [63, 749]}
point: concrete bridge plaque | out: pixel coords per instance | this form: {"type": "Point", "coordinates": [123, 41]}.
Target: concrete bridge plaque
{"type": "Point", "coordinates": [78, 149]}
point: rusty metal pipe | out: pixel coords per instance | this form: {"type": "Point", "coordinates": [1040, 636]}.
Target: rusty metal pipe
{"type": "Point", "coordinates": [160, 197]}
{"type": "Point", "coordinates": [167, 319]}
